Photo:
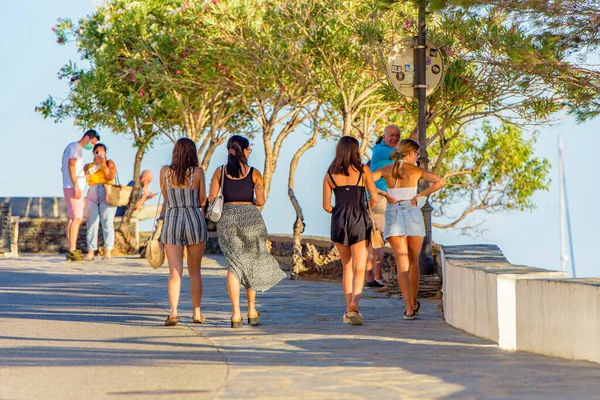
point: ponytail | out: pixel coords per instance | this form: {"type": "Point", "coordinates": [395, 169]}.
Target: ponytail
{"type": "Point", "coordinates": [236, 158]}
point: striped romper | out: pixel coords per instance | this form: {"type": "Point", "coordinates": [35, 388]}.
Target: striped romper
{"type": "Point", "coordinates": [184, 223]}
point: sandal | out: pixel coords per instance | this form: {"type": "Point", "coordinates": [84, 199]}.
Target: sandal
{"type": "Point", "coordinates": [410, 317]}
{"type": "Point", "coordinates": [356, 317]}
{"type": "Point", "coordinates": [171, 321]}
{"type": "Point", "coordinates": [255, 320]}
{"type": "Point", "coordinates": [417, 308]}
{"type": "Point", "coordinates": [236, 323]}
{"type": "Point", "coordinates": [200, 320]}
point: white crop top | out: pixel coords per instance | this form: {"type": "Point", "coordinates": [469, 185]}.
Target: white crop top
{"type": "Point", "coordinates": [403, 193]}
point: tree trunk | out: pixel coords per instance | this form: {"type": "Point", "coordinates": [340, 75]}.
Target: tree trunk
{"type": "Point", "coordinates": [214, 143]}
{"type": "Point", "coordinates": [135, 194]}
{"type": "Point", "coordinates": [128, 239]}
{"type": "Point", "coordinates": [297, 260]}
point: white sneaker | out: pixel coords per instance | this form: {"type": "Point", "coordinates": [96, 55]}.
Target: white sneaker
{"type": "Point", "coordinates": [346, 319]}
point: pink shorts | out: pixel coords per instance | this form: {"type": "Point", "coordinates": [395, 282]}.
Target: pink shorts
{"type": "Point", "coordinates": [75, 207]}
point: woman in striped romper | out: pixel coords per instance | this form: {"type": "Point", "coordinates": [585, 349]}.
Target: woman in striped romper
{"type": "Point", "coordinates": [182, 185]}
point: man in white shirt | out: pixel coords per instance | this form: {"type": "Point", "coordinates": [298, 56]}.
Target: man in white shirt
{"type": "Point", "coordinates": [73, 184]}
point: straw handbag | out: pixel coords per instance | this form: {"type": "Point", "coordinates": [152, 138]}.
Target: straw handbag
{"type": "Point", "coordinates": [155, 250]}
{"type": "Point", "coordinates": [117, 195]}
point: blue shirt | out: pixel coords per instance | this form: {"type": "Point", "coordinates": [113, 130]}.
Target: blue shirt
{"type": "Point", "coordinates": [379, 159]}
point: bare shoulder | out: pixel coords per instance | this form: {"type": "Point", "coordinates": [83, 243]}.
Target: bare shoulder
{"type": "Point", "coordinates": [256, 174]}
{"type": "Point", "coordinates": [366, 169]}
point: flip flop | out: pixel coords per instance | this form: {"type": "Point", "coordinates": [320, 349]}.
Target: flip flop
{"type": "Point", "coordinates": [417, 308]}
{"type": "Point", "coordinates": [171, 321]}
{"type": "Point", "coordinates": [253, 321]}
{"type": "Point", "coordinates": [200, 320]}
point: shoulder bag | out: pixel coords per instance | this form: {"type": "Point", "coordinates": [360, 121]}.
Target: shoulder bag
{"type": "Point", "coordinates": [117, 195]}
{"type": "Point", "coordinates": [155, 250]}
{"type": "Point", "coordinates": [215, 208]}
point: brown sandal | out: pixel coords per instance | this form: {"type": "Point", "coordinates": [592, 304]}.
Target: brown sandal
{"type": "Point", "coordinates": [171, 321]}
{"type": "Point", "coordinates": [200, 320]}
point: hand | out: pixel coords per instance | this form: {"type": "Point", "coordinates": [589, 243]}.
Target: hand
{"type": "Point", "coordinates": [391, 200]}
{"type": "Point", "coordinates": [414, 201]}
{"type": "Point", "coordinates": [77, 195]}
{"type": "Point", "coordinates": [151, 195]}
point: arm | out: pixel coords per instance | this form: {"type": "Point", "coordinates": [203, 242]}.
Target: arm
{"type": "Point", "coordinates": [371, 188]}
{"type": "Point", "coordinates": [110, 170]}
{"type": "Point", "coordinates": [259, 188]}
{"type": "Point", "coordinates": [163, 182]}
{"type": "Point", "coordinates": [201, 187]}
{"type": "Point", "coordinates": [145, 196]}
{"type": "Point", "coordinates": [436, 183]}
{"type": "Point", "coordinates": [327, 195]}
{"type": "Point", "coordinates": [73, 176]}
{"type": "Point", "coordinates": [215, 184]}
{"type": "Point", "coordinates": [382, 173]}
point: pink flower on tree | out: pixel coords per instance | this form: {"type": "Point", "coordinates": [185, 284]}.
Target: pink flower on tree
{"type": "Point", "coordinates": [142, 93]}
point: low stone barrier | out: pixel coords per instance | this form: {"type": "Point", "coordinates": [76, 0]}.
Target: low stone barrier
{"type": "Point", "coordinates": [518, 307]}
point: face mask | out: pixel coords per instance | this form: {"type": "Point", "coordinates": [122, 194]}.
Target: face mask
{"type": "Point", "coordinates": [88, 146]}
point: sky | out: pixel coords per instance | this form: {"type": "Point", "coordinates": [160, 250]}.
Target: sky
{"type": "Point", "coordinates": [31, 149]}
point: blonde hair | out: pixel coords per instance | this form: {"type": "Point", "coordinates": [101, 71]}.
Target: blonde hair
{"type": "Point", "coordinates": [405, 147]}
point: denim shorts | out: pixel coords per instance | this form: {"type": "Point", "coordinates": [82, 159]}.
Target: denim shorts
{"type": "Point", "coordinates": [402, 219]}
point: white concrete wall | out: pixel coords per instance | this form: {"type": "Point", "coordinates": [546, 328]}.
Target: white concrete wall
{"type": "Point", "coordinates": [559, 317]}
{"type": "Point", "coordinates": [520, 308]}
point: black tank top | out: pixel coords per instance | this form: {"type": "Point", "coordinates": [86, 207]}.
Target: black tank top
{"type": "Point", "coordinates": [239, 190]}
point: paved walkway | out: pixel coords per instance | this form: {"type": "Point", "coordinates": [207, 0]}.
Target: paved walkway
{"type": "Point", "coordinates": [94, 330]}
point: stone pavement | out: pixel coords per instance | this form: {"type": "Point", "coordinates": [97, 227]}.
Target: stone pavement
{"type": "Point", "coordinates": [94, 330]}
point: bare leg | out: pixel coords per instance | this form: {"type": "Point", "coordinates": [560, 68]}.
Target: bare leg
{"type": "Point", "coordinates": [360, 253]}
{"type": "Point", "coordinates": [69, 223]}
{"type": "Point", "coordinates": [175, 259]}
{"type": "Point", "coordinates": [251, 295]}
{"type": "Point", "coordinates": [377, 264]}
{"type": "Point", "coordinates": [414, 251]}
{"type": "Point", "coordinates": [348, 275]}
{"type": "Point", "coordinates": [194, 260]}
{"type": "Point", "coordinates": [74, 233]}
{"type": "Point", "coordinates": [400, 247]}
{"type": "Point", "coordinates": [370, 261]}
{"type": "Point", "coordinates": [233, 287]}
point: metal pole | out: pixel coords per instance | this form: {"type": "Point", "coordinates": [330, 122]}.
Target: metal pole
{"type": "Point", "coordinates": [426, 259]}
{"type": "Point", "coordinates": [561, 200]}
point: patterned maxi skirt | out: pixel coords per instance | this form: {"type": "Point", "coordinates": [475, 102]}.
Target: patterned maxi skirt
{"type": "Point", "coordinates": [243, 240]}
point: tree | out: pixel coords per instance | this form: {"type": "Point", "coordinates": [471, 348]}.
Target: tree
{"type": "Point", "coordinates": [495, 170]}
{"type": "Point", "coordinates": [478, 86]}
{"type": "Point", "coordinates": [101, 96]}
{"type": "Point", "coordinates": [262, 60]}
{"type": "Point", "coordinates": [571, 28]}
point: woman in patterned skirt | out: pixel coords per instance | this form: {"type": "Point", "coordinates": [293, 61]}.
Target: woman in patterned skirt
{"type": "Point", "coordinates": [182, 185]}
{"type": "Point", "coordinates": [242, 231]}
{"type": "Point", "coordinates": [347, 178]}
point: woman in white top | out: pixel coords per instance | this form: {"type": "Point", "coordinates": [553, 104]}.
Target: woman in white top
{"type": "Point", "coordinates": [404, 224]}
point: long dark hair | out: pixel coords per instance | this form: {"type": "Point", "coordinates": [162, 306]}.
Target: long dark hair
{"type": "Point", "coordinates": [236, 158]}
{"type": "Point", "coordinates": [347, 154]}
{"type": "Point", "coordinates": [184, 158]}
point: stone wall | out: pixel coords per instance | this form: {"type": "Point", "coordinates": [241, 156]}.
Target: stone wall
{"type": "Point", "coordinates": [49, 235]}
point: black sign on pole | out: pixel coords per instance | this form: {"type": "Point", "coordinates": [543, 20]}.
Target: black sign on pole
{"type": "Point", "coordinates": [426, 260]}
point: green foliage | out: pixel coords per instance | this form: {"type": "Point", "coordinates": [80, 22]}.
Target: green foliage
{"type": "Point", "coordinates": [494, 169]}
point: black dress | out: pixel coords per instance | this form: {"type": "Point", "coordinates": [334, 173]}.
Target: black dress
{"type": "Point", "coordinates": [349, 220]}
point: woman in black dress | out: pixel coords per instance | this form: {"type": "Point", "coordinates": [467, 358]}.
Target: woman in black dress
{"type": "Point", "coordinates": [350, 222]}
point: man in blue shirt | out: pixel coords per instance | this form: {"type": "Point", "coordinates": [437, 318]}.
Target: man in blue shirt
{"type": "Point", "coordinates": [384, 153]}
